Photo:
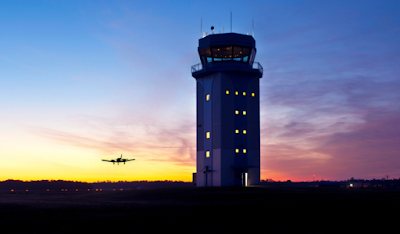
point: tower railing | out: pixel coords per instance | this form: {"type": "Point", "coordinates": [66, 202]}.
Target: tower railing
{"type": "Point", "coordinates": [197, 67]}
{"type": "Point", "coordinates": [256, 65]}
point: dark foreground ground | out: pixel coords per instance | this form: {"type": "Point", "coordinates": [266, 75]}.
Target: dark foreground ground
{"type": "Point", "coordinates": [202, 210]}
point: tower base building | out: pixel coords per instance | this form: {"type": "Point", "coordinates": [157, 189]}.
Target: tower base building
{"type": "Point", "coordinates": [228, 111]}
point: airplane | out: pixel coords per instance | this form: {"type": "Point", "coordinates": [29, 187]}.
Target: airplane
{"type": "Point", "coordinates": [118, 160]}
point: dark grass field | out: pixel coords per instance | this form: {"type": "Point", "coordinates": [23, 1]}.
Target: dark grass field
{"type": "Point", "coordinates": [202, 210]}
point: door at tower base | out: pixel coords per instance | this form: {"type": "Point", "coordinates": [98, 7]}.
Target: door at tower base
{"type": "Point", "coordinates": [244, 179]}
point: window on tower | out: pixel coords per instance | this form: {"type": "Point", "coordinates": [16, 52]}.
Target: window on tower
{"type": "Point", "coordinates": [226, 53]}
{"type": "Point", "coordinates": [217, 54]}
{"type": "Point", "coordinates": [237, 150]}
{"type": "Point", "coordinates": [244, 93]}
{"type": "Point", "coordinates": [207, 97]}
{"type": "Point", "coordinates": [244, 151]}
{"type": "Point", "coordinates": [227, 91]}
{"type": "Point", "coordinates": [236, 93]}
{"type": "Point", "coordinates": [236, 112]}
{"type": "Point", "coordinates": [244, 132]}
{"type": "Point", "coordinates": [206, 56]}
{"type": "Point", "coordinates": [244, 112]}
{"type": "Point", "coordinates": [253, 94]}
{"type": "Point", "coordinates": [207, 154]}
{"type": "Point", "coordinates": [237, 131]}
{"type": "Point", "coordinates": [237, 53]}
{"type": "Point", "coordinates": [207, 135]}
{"type": "Point", "coordinates": [246, 52]}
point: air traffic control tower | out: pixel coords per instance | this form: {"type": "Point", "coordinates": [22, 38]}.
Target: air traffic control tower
{"type": "Point", "coordinates": [228, 111]}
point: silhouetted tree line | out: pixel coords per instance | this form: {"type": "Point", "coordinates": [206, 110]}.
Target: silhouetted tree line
{"type": "Point", "coordinates": [43, 185]}
{"type": "Point", "coordinates": [383, 183]}
{"type": "Point", "coordinates": [140, 184]}
{"type": "Point", "coordinates": [72, 185]}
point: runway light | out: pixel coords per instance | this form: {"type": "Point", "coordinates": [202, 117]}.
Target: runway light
{"type": "Point", "coordinates": [12, 190]}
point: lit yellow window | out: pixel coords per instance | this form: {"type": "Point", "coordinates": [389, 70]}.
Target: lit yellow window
{"type": "Point", "coordinates": [207, 154]}
{"type": "Point", "coordinates": [244, 112]}
{"type": "Point", "coordinates": [253, 94]}
{"type": "Point", "coordinates": [244, 131]}
{"type": "Point", "coordinates": [236, 93]}
{"type": "Point", "coordinates": [207, 97]}
{"type": "Point", "coordinates": [207, 134]}
{"type": "Point", "coordinates": [244, 151]}
{"type": "Point", "coordinates": [244, 93]}
{"type": "Point", "coordinates": [236, 112]}
{"type": "Point", "coordinates": [237, 131]}
{"type": "Point", "coordinates": [227, 91]}
{"type": "Point", "coordinates": [237, 150]}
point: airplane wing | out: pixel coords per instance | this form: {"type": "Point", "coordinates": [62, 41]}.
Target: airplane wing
{"type": "Point", "coordinates": [107, 160]}
{"type": "Point", "coordinates": [130, 159]}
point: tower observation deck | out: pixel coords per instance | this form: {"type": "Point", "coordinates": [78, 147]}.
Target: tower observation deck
{"type": "Point", "coordinates": [228, 111]}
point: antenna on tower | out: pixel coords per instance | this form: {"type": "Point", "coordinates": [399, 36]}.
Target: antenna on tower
{"type": "Point", "coordinates": [231, 20]}
{"type": "Point", "coordinates": [253, 27]}
{"type": "Point", "coordinates": [201, 28]}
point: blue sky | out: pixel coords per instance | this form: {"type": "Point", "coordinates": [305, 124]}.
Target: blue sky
{"type": "Point", "coordinates": [85, 80]}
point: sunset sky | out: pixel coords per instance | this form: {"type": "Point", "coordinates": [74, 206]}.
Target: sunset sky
{"type": "Point", "coordinates": [82, 81]}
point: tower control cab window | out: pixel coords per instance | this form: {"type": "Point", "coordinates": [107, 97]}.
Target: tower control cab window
{"type": "Point", "coordinates": [226, 53]}
{"type": "Point", "coordinates": [205, 55]}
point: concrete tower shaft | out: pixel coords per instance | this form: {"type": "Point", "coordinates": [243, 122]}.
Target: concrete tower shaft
{"type": "Point", "coordinates": [228, 113]}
